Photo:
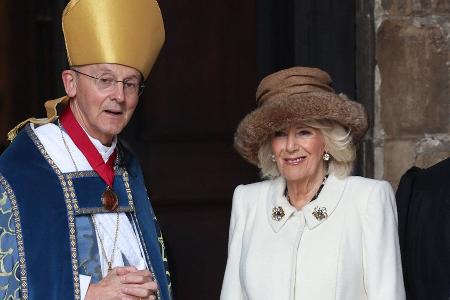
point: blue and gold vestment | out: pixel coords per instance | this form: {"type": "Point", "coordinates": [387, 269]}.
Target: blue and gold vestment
{"type": "Point", "coordinates": [47, 238]}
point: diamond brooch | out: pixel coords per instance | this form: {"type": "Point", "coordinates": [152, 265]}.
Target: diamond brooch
{"type": "Point", "coordinates": [320, 213]}
{"type": "Point", "coordinates": [277, 213]}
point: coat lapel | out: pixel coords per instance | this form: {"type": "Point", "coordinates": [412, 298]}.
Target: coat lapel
{"type": "Point", "coordinates": [322, 208]}
{"type": "Point", "coordinates": [277, 201]}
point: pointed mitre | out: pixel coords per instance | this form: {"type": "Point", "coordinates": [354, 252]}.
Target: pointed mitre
{"type": "Point", "coordinates": [126, 32]}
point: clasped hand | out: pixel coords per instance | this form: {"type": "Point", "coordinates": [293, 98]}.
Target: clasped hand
{"type": "Point", "coordinates": [124, 283]}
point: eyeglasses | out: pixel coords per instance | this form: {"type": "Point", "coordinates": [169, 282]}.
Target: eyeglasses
{"type": "Point", "coordinates": [107, 83]}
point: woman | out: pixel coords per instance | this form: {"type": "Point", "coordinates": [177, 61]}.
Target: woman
{"type": "Point", "coordinates": [311, 231]}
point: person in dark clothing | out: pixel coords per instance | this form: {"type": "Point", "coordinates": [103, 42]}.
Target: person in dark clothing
{"type": "Point", "coordinates": [423, 203]}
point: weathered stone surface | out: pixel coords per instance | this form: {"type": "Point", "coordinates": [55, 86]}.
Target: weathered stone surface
{"type": "Point", "coordinates": [400, 155]}
{"type": "Point", "coordinates": [416, 7]}
{"type": "Point", "coordinates": [398, 158]}
{"type": "Point", "coordinates": [426, 160]}
{"type": "Point", "coordinates": [431, 150]}
{"type": "Point", "coordinates": [414, 74]}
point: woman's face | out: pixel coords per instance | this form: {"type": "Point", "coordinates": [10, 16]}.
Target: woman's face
{"type": "Point", "coordinates": [298, 152]}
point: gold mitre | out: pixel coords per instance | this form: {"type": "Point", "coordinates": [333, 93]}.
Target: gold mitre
{"type": "Point", "coordinates": [126, 32]}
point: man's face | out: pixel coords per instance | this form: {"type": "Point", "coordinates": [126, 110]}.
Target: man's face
{"type": "Point", "coordinates": [102, 111]}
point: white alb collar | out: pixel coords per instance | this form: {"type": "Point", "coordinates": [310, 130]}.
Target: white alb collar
{"type": "Point", "coordinates": [104, 151]}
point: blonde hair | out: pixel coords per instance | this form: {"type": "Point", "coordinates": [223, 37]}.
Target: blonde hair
{"type": "Point", "coordinates": [338, 143]}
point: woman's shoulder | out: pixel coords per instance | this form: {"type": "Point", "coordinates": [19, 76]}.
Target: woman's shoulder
{"type": "Point", "coordinates": [254, 187]}
{"type": "Point", "coordinates": [367, 183]}
{"type": "Point", "coordinates": [361, 190]}
{"type": "Point", "coordinates": [248, 197]}
{"type": "Point", "coordinates": [248, 194]}
{"type": "Point", "coordinates": [369, 193]}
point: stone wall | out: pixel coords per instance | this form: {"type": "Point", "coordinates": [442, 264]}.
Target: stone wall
{"type": "Point", "coordinates": [412, 80]}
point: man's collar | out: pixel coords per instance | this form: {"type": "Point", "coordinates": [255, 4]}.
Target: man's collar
{"type": "Point", "coordinates": [104, 151]}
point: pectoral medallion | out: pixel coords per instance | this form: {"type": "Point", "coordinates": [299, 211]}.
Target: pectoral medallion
{"type": "Point", "coordinates": [109, 200]}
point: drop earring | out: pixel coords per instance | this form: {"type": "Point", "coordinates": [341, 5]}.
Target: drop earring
{"type": "Point", "coordinates": [272, 158]}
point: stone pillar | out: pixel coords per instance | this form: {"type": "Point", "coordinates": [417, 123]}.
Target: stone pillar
{"type": "Point", "coordinates": [412, 80]}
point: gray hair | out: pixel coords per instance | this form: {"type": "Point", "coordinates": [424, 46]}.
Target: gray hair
{"type": "Point", "coordinates": [338, 143]}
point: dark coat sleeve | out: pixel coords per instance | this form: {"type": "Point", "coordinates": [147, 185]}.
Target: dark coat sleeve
{"type": "Point", "coordinates": [403, 196]}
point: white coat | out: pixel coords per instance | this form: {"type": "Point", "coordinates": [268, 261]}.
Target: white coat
{"type": "Point", "coordinates": [353, 253]}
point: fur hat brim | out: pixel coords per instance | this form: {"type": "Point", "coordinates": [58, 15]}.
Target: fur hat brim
{"type": "Point", "coordinates": [259, 125]}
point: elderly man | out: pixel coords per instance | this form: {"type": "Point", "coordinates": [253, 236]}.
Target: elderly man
{"type": "Point", "coordinates": [75, 219]}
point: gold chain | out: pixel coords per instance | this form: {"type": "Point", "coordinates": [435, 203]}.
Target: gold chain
{"type": "Point", "coordinates": [67, 147]}
{"type": "Point", "coordinates": [116, 235]}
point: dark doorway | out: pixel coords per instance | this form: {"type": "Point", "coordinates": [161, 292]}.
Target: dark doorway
{"type": "Point", "coordinates": [201, 86]}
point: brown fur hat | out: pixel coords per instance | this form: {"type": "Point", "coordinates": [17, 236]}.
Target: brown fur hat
{"type": "Point", "coordinates": [290, 96]}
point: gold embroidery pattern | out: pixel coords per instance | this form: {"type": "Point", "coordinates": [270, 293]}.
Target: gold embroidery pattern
{"type": "Point", "coordinates": [16, 271]}
{"type": "Point", "coordinates": [163, 253]}
{"type": "Point", "coordinates": [69, 194]}
{"type": "Point", "coordinates": [82, 174]}
{"type": "Point", "coordinates": [18, 232]}
{"type": "Point", "coordinates": [96, 210]}
{"type": "Point", "coordinates": [128, 189]}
